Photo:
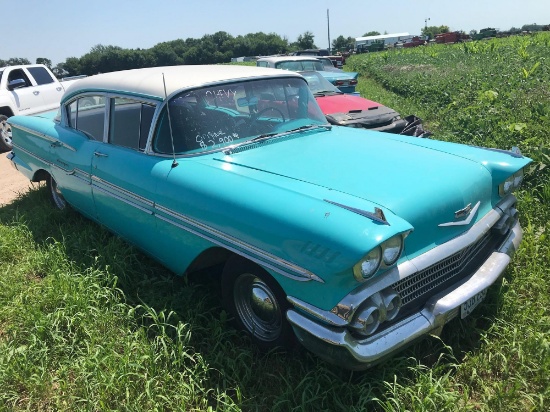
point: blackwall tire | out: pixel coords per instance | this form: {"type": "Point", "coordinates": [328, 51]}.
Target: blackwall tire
{"type": "Point", "coordinates": [257, 303]}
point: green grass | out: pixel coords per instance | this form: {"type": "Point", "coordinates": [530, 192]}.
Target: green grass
{"type": "Point", "coordinates": [89, 323]}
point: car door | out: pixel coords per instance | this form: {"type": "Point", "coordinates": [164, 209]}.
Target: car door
{"type": "Point", "coordinates": [124, 177]}
{"type": "Point", "coordinates": [25, 97]}
{"type": "Point", "coordinates": [46, 86]}
{"type": "Point", "coordinates": [72, 153]}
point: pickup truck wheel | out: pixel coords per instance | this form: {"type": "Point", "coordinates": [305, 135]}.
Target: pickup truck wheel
{"type": "Point", "coordinates": [257, 303]}
{"type": "Point", "coordinates": [5, 134]}
{"type": "Point", "coordinates": [55, 194]}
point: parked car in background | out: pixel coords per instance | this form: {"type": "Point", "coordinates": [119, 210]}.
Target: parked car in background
{"type": "Point", "coordinates": [354, 111]}
{"type": "Point", "coordinates": [327, 65]}
{"type": "Point", "coordinates": [338, 60]}
{"type": "Point", "coordinates": [355, 242]}
{"type": "Point", "coordinates": [26, 89]}
{"type": "Point", "coordinates": [345, 81]}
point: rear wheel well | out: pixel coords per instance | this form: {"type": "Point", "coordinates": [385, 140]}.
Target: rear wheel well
{"type": "Point", "coordinates": [40, 175]}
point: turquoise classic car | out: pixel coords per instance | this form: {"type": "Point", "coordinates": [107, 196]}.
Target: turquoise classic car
{"type": "Point", "coordinates": [355, 242]}
{"type": "Point", "coordinates": [345, 81]}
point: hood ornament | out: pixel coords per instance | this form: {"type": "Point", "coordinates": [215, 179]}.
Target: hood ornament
{"type": "Point", "coordinates": [468, 212]}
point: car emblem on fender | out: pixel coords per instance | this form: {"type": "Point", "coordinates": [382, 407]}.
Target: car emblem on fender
{"type": "Point", "coordinates": [469, 212]}
{"type": "Point", "coordinates": [463, 212]}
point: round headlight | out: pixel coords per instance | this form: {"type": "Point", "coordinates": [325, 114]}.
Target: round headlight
{"type": "Point", "coordinates": [391, 250]}
{"type": "Point", "coordinates": [368, 266]}
{"type": "Point", "coordinates": [518, 178]}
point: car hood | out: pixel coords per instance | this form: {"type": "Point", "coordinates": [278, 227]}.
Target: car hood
{"type": "Point", "coordinates": [423, 185]}
{"type": "Point", "coordinates": [344, 103]}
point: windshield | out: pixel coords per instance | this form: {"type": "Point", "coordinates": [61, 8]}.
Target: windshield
{"type": "Point", "coordinates": [298, 65]}
{"type": "Point", "coordinates": [318, 84]}
{"type": "Point", "coordinates": [216, 117]}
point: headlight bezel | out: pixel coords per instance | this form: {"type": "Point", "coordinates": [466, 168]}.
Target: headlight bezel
{"type": "Point", "coordinates": [361, 273]}
{"type": "Point", "coordinates": [512, 183]}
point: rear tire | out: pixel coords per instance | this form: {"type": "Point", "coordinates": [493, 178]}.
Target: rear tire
{"type": "Point", "coordinates": [257, 303]}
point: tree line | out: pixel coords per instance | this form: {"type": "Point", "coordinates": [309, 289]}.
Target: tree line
{"type": "Point", "coordinates": [219, 47]}
{"type": "Point", "coordinates": [214, 48]}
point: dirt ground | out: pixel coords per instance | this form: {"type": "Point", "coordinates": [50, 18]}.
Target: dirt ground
{"type": "Point", "coordinates": [11, 181]}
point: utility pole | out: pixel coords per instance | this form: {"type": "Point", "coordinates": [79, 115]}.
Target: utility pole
{"type": "Point", "coordinates": [426, 20]}
{"type": "Point", "coordinates": [328, 32]}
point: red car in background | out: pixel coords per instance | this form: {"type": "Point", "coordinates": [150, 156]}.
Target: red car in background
{"type": "Point", "coordinates": [354, 111]}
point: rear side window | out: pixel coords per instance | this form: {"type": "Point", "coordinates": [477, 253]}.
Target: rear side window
{"type": "Point", "coordinates": [87, 114]}
{"type": "Point", "coordinates": [41, 75]}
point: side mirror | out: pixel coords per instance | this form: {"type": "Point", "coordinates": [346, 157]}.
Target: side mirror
{"type": "Point", "coordinates": [16, 84]}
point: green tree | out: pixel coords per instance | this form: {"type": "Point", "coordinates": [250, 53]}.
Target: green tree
{"type": "Point", "coordinates": [305, 41]}
{"type": "Point", "coordinates": [342, 43]}
{"type": "Point", "coordinates": [432, 31]}
{"type": "Point", "coordinates": [15, 61]}
{"type": "Point", "coordinates": [371, 33]}
{"type": "Point", "coordinates": [44, 61]}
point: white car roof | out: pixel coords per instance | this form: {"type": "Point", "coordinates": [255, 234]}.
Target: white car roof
{"type": "Point", "coordinates": [277, 59]}
{"type": "Point", "coordinates": [149, 81]}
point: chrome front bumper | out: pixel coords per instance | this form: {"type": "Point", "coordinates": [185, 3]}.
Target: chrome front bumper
{"type": "Point", "coordinates": [330, 339]}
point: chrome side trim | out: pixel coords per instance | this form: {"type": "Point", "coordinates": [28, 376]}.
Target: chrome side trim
{"type": "Point", "coordinates": [130, 198]}
{"type": "Point", "coordinates": [253, 253]}
{"type": "Point", "coordinates": [44, 136]}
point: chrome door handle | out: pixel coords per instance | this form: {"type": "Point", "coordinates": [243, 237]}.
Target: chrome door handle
{"type": "Point", "coordinates": [36, 93]}
{"type": "Point", "coordinates": [99, 154]}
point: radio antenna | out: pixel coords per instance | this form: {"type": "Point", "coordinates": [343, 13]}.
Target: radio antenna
{"type": "Point", "coordinates": [174, 163]}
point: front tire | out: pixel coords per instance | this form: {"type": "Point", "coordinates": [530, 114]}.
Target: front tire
{"type": "Point", "coordinates": [257, 303]}
{"type": "Point", "coordinates": [55, 194]}
{"type": "Point", "coordinates": [5, 134]}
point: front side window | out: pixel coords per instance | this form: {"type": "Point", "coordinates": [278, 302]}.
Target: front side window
{"type": "Point", "coordinates": [130, 121]}
{"type": "Point", "coordinates": [216, 117]}
{"type": "Point", "coordinates": [19, 74]}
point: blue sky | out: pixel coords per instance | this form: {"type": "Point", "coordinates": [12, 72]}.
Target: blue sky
{"type": "Point", "coordinates": [58, 29]}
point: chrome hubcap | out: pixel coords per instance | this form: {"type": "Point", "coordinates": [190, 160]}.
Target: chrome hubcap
{"type": "Point", "coordinates": [257, 307]}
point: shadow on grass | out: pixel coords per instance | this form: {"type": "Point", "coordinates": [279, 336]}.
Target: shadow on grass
{"type": "Point", "coordinates": [276, 378]}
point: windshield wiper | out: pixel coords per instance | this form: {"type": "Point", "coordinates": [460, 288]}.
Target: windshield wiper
{"type": "Point", "coordinates": [267, 136]}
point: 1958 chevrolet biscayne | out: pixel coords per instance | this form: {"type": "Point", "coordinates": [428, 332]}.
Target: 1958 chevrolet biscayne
{"type": "Point", "coordinates": [355, 242]}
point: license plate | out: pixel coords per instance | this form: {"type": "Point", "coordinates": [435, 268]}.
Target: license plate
{"type": "Point", "coordinates": [468, 307]}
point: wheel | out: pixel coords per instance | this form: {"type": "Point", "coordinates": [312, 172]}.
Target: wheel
{"type": "Point", "coordinates": [55, 194]}
{"type": "Point", "coordinates": [5, 134]}
{"type": "Point", "coordinates": [257, 303]}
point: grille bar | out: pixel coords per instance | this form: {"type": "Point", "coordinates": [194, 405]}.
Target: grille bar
{"type": "Point", "coordinates": [415, 289]}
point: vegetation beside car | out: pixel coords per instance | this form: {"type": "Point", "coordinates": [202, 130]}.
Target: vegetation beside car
{"type": "Point", "coordinates": [166, 345]}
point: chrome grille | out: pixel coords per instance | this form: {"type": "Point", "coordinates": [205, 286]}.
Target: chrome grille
{"type": "Point", "coordinates": [413, 288]}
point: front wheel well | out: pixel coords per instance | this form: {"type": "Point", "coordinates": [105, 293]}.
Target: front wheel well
{"type": "Point", "coordinates": [6, 111]}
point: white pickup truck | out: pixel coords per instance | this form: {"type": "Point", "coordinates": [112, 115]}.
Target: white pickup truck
{"type": "Point", "coordinates": [27, 89]}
